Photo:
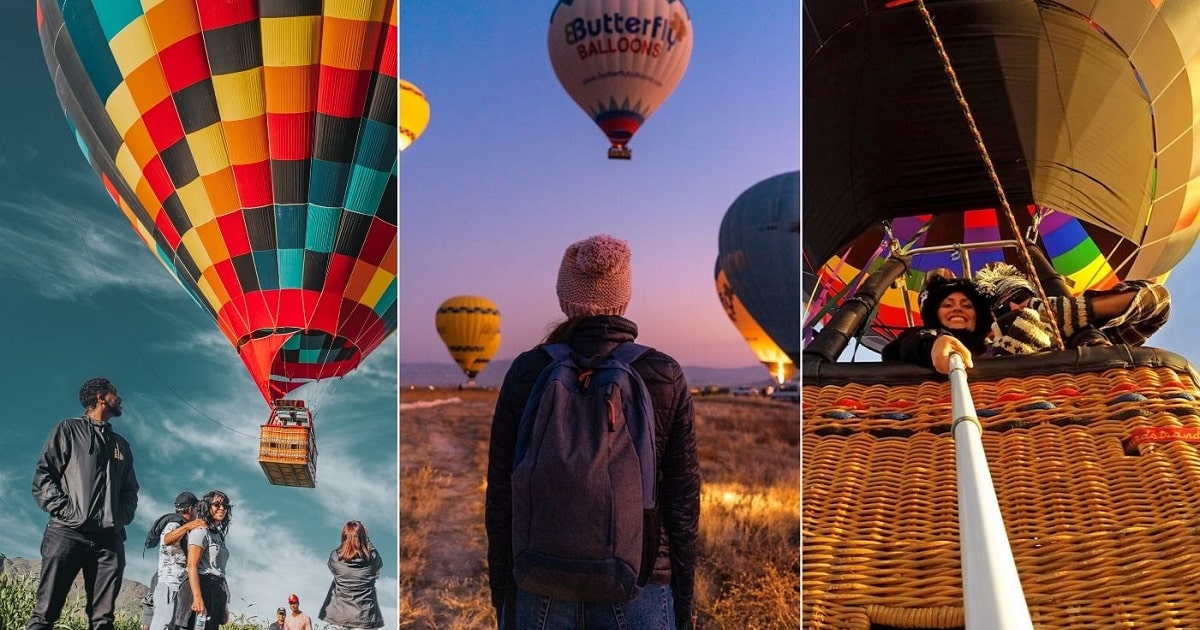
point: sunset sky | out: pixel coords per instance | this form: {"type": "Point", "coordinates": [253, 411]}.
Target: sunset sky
{"type": "Point", "coordinates": [510, 171]}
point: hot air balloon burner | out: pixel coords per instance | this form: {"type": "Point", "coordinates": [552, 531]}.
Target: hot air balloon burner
{"type": "Point", "coordinates": [287, 448]}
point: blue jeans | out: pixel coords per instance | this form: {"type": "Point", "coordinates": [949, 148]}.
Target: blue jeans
{"type": "Point", "coordinates": [653, 609]}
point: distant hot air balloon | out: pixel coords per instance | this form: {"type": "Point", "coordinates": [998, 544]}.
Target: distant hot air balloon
{"type": "Point", "coordinates": [619, 59]}
{"type": "Point", "coordinates": [252, 146]}
{"type": "Point", "coordinates": [414, 113]}
{"type": "Point", "coordinates": [776, 361]}
{"type": "Point", "coordinates": [759, 247]}
{"type": "Point", "coordinates": [469, 325]}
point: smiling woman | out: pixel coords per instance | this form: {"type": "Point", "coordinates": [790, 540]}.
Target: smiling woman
{"type": "Point", "coordinates": [955, 318]}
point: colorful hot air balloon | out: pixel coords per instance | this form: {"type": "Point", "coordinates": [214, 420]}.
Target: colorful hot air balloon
{"type": "Point", "coordinates": [414, 113]}
{"type": "Point", "coordinates": [1087, 110]}
{"type": "Point", "coordinates": [759, 252]}
{"type": "Point", "coordinates": [252, 146]}
{"type": "Point", "coordinates": [619, 59]}
{"type": "Point", "coordinates": [776, 361]}
{"type": "Point", "coordinates": [469, 325]}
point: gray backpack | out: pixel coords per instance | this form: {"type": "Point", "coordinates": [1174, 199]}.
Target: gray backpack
{"type": "Point", "coordinates": [584, 480]}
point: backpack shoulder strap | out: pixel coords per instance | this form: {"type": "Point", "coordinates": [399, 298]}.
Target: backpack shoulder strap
{"type": "Point", "coordinates": [628, 352]}
{"type": "Point", "coordinates": [557, 351]}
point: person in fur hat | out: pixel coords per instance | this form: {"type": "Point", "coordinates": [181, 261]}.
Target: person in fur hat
{"type": "Point", "coordinates": [1126, 314]}
{"type": "Point", "coordinates": [955, 318]}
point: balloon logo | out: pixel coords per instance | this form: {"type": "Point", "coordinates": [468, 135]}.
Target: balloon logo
{"type": "Point", "coordinates": [759, 252]}
{"type": "Point", "coordinates": [776, 360]}
{"type": "Point", "coordinates": [469, 325]}
{"type": "Point", "coordinates": [619, 60]}
{"type": "Point", "coordinates": [414, 113]}
{"type": "Point", "coordinates": [255, 156]}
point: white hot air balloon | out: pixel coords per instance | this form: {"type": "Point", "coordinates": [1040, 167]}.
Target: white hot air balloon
{"type": "Point", "coordinates": [619, 59]}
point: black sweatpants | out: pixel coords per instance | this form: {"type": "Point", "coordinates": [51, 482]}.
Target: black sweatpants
{"type": "Point", "coordinates": [66, 552]}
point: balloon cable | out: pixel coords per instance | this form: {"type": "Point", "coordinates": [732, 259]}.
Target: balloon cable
{"type": "Point", "coordinates": [87, 248]}
{"type": "Point", "coordinates": [987, 160]}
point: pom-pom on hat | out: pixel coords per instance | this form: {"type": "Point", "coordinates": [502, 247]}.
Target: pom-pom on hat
{"type": "Point", "coordinates": [937, 288]}
{"type": "Point", "coordinates": [594, 277]}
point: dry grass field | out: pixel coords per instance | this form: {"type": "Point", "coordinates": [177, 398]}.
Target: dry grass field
{"type": "Point", "coordinates": [749, 570]}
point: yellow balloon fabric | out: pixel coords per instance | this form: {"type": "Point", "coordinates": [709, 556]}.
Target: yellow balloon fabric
{"type": "Point", "coordinates": [414, 113]}
{"type": "Point", "coordinates": [776, 360]}
{"type": "Point", "coordinates": [469, 325]}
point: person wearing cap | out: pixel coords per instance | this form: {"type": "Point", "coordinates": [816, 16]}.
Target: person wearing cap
{"type": "Point", "coordinates": [955, 318]}
{"type": "Point", "coordinates": [84, 479]}
{"type": "Point", "coordinates": [298, 620]}
{"type": "Point", "coordinates": [206, 592]}
{"type": "Point", "coordinates": [1127, 313]}
{"type": "Point", "coordinates": [594, 288]}
{"type": "Point", "coordinates": [280, 616]}
{"type": "Point", "coordinates": [172, 560]}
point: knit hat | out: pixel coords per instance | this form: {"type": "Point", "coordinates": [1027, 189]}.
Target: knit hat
{"type": "Point", "coordinates": [594, 278]}
{"type": "Point", "coordinates": [1001, 283]}
{"type": "Point", "coordinates": [938, 287]}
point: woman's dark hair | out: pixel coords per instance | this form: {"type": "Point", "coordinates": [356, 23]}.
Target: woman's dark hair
{"type": "Point", "coordinates": [355, 543]}
{"type": "Point", "coordinates": [92, 388]}
{"type": "Point", "coordinates": [204, 511]}
{"type": "Point", "coordinates": [939, 288]}
{"type": "Point", "coordinates": [562, 331]}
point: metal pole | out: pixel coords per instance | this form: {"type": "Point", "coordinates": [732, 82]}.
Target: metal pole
{"type": "Point", "coordinates": [992, 592]}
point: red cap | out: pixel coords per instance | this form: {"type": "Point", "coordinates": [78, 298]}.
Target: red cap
{"type": "Point", "coordinates": [292, 599]}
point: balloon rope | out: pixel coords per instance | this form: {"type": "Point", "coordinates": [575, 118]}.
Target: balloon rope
{"type": "Point", "coordinates": [987, 160]}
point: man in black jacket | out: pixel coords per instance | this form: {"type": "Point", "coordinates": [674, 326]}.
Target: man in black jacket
{"type": "Point", "coordinates": [84, 480]}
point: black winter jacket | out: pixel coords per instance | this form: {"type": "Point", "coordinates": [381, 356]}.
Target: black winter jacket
{"type": "Point", "coordinates": [84, 478]}
{"type": "Point", "coordinates": [679, 489]}
{"type": "Point", "coordinates": [915, 345]}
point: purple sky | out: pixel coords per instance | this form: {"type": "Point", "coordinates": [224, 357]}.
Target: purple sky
{"type": "Point", "coordinates": [510, 171]}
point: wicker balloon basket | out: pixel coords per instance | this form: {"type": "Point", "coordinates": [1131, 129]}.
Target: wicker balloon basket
{"type": "Point", "coordinates": [287, 446]}
{"type": "Point", "coordinates": [1094, 458]}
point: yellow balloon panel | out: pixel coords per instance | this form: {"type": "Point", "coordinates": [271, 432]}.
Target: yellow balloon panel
{"type": "Point", "coordinates": [469, 325]}
{"type": "Point", "coordinates": [768, 352]}
{"type": "Point", "coordinates": [414, 113]}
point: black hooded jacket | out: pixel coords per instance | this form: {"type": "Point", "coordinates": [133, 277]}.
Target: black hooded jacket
{"type": "Point", "coordinates": [84, 478]}
{"type": "Point", "coordinates": [679, 489]}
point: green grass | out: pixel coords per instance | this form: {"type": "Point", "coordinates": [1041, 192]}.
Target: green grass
{"type": "Point", "coordinates": [17, 597]}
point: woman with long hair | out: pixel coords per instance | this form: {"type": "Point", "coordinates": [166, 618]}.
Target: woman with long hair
{"type": "Point", "coordinates": [352, 601]}
{"type": "Point", "coordinates": [207, 555]}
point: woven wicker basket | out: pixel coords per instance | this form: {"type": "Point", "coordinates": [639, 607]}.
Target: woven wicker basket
{"type": "Point", "coordinates": [288, 455]}
{"type": "Point", "coordinates": [1094, 458]}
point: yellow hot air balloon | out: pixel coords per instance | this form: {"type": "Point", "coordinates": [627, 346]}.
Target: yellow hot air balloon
{"type": "Point", "coordinates": [414, 113]}
{"type": "Point", "coordinates": [775, 359]}
{"type": "Point", "coordinates": [469, 325]}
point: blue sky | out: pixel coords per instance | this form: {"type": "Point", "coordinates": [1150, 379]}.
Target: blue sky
{"type": "Point", "coordinates": [510, 171]}
{"type": "Point", "coordinates": [83, 297]}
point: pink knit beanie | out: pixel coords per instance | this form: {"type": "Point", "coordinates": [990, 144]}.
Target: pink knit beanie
{"type": "Point", "coordinates": [594, 278]}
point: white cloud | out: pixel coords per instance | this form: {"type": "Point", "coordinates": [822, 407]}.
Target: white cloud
{"type": "Point", "coordinates": [54, 246]}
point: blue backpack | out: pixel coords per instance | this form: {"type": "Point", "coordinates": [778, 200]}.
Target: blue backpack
{"type": "Point", "coordinates": [584, 480]}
